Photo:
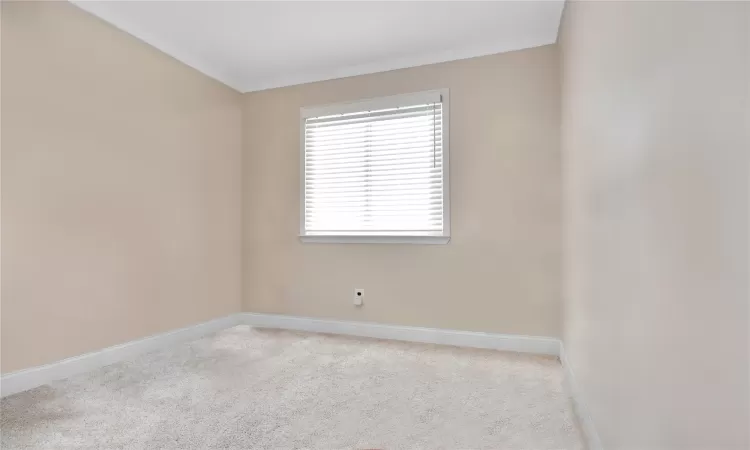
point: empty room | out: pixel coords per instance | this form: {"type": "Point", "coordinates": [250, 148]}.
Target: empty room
{"type": "Point", "coordinates": [512, 225]}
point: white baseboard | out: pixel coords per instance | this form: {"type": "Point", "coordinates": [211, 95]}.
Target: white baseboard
{"type": "Point", "coordinates": [506, 342]}
{"type": "Point", "coordinates": [26, 379]}
{"type": "Point", "coordinates": [580, 409]}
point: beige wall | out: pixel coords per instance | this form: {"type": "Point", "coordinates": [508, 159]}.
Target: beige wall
{"type": "Point", "coordinates": [120, 188]}
{"type": "Point", "coordinates": [501, 270]}
{"type": "Point", "coordinates": [655, 161]}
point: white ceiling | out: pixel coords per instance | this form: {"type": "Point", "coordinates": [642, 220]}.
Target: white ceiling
{"type": "Point", "coordinates": [255, 45]}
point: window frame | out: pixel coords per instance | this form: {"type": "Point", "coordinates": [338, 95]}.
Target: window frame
{"type": "Point", "coordinates": [391, 101]}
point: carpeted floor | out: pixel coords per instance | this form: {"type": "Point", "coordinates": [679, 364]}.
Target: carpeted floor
{"type": "Point", "coordinates": [248, 388]}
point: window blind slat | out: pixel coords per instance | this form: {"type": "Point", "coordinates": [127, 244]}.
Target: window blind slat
{"type": "Point", "coordinates": [387, 175]}
{"type": "Point", "coordinates": [376, 130]}
{"type": "Point", "coordinates": [385, 124]}
{"type": "Point", "coordinates": [417, 154]}
{"type": "Point", "coordinates": [375, 171]}
{"type": "Point", "coordinates": [372, 116]}
{"type": "Point", "coordinates": [346, 195]}
{"type": "Point", "coordinates": [373, 165]}
{"type": "Point", "coordinates": [349, 152]}
{"type": "Point", "coordinates": [373, 144]}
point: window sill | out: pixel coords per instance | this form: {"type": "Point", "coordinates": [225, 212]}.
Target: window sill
{"type": "Point", "coordinates": [425, 240]}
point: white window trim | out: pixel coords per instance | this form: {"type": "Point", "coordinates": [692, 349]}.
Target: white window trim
{"type": "Point", "coordinates": [429, 240]}
{"type": "Point", "coordinates": [380, 103]}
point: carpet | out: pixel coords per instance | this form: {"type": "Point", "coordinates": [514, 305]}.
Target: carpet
{"type": "Point", "coordinates": [245, 388]}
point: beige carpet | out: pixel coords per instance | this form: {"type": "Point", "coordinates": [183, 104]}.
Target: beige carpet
{"type": "Point", "coordinates": [249, 388]}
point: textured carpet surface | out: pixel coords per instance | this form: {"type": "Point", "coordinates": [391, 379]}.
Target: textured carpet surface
{"type": "Point", "coordinates": [246, 388]}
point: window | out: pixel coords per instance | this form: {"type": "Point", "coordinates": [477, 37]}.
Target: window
{"type": "Point", "coordinates": [376, 171]}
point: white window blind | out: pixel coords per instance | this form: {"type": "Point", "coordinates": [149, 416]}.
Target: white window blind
{"type": "Point", "coordinates": [376, 168]}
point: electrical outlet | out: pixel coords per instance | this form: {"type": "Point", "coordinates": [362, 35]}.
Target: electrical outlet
{"type": "Point", "coordinates": [359, 297]}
